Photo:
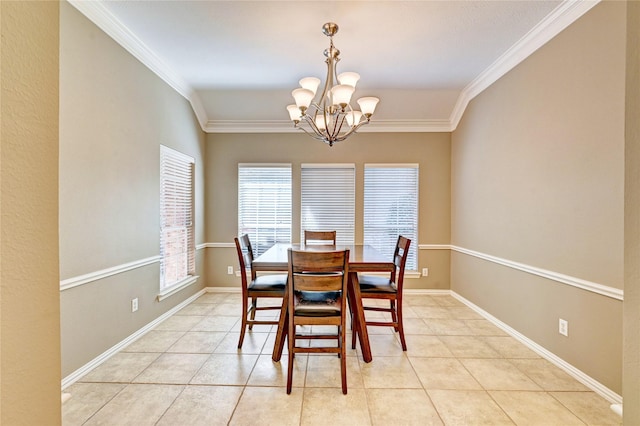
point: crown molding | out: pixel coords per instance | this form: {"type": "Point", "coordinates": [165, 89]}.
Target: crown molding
{"type": "Point", "coordinates": [563, 16]}
{"type": "Point", "coordinates": [286, 126]}
{"type": "Point", "coordinates": [97, 13]}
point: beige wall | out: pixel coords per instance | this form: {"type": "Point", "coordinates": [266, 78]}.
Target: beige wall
{"type": "Point", "coordinates": [631, 369]}
{"type": "Point", "coordinates": [538, 178]}
{"type": "Point", "coordinates": [29, 292]}
{"type": "Point", "coordinates": [114, 115]}
{"type": "Point", "coordinates": [430, 150]}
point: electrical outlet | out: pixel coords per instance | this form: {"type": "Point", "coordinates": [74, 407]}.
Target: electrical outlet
{"type": "Point", "coordinates": [134, 304]}
{"type": "Point", "coordinates": [425, 272]}
{"type": "Point", "coordinates": [230, 270]}
{"type": "Point", "coordinates": [563, 327]}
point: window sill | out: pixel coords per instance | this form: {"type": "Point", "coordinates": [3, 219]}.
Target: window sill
{"type": "Point", "coordinates": [177, 287]}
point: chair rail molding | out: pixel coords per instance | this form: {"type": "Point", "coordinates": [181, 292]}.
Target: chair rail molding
{"type": "Point", "coordinates": [114, 270]}
{"type": "Point", "coordinates": [612, 292]}
{"type": "Point", "coordinates": [604, 290]}
{"type": "Point", "coordinates": [107, 272]}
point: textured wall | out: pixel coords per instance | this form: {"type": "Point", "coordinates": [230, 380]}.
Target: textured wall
{"type": "Point", "coordinates": [538, 178]}
{"type": "Point", "coordinates": [430, 150]}
{"type": "Point", "coordinates": [29, 291]}
{"type": "Point", "coordinates": [114, 115]}
{"type": "Point", "coordinates": [631, 381]}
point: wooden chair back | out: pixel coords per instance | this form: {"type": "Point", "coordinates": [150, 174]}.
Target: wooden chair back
{"type": "Point", "coordinates": [245, 258]}
{"type": "Point", "coordinates": [400, 255]}
{"type": "Point", "coordinates": [256, 287]}
{"type": "Point", "coordinates": [317, 295]}
{"type": "Point", "coordinates": [318, 271]}
{"type": "Point", "coordinates": [320, 237]}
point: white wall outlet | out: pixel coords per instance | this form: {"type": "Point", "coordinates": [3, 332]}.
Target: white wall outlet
{"type": "Point", "coordinates": [134, 304]}
{"type": "Point", "coordinates": [563, 327]}
{"type": "Point", "coordinates": [425, 272]}
{"type": "Point", "coordinates": [230, 270]}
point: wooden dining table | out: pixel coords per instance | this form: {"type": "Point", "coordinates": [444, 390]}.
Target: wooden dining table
{"type": "Point", "coordinates": [362, 258]}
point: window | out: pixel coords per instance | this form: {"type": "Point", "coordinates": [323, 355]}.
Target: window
{"type": "Point", "coordinates": [391, 207]}
{"type": "Point", "coordinates": [328, 200]}
{"type": "Point", "coordinates": [264, 204]}
{"type": "Point", "coordinates": [177, 245]}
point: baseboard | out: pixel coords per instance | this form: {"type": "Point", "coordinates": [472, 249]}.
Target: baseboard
{"type": "Point", "coordinates": [599, 388]}
{"type": "Point", "coordinates": [583, 378]}
{"type": "Point", "coordinates": [223, 289]}
{"type": "Point", "coordinates": [76, 375]}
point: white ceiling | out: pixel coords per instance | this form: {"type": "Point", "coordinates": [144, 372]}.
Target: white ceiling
{"type": "Point", "coordinates": [237, 61]}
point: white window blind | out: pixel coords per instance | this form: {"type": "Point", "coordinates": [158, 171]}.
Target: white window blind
{"type": "Point", "coordinates": [177, 244]}
{"type": "Point", "coordinates": [264, 204]}
{"type": "Point", "coordinates": [391, 207]}
{"type": "Point", "coordinates": [328, 200]}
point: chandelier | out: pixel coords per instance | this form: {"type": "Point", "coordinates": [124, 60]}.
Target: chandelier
{"type": "Point", "coordinates": [331, 118]}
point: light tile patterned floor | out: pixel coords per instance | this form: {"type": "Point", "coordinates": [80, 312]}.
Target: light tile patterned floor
{"type": "Point", "coordinates": [459, 369]}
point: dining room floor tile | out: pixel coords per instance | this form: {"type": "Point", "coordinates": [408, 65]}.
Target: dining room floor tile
{"type": "Point", "coordinates": [459, 369]}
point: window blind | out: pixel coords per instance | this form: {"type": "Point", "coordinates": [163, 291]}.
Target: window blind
{"type": "Point", "coordinates": [328, 200]}
{"type": "Point", "coordinates": [391, 207]}
{"type": "Point", "coordinates": [177, 244]}
{"type": "Point", "coordinates": [264, 204]}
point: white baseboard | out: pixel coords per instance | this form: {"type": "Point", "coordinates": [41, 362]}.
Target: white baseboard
{"type": "Point", "coordinates": [76, 375]}
{"type": "Point", "coordinates": [599, 388]}
{"type": "Point", "coordinates": [583, 378]}
{"type": "Point", "coordinates": [223, 289]}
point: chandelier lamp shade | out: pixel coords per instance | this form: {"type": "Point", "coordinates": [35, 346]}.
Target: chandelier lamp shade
{"type": "Point", "coordinates": [330, 118]}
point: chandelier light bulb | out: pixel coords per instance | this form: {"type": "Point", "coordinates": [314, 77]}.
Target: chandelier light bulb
{"type": "Point", "coordinates": [368, 105]}
{"type": "Point", "coordinates": [341, 94]}
{"type": "Point", "coordinates": [310, 83]}
{"type": "Point", "coordinates": [320, 122]}
{"type": "Point", "coordinates": [353, 118]}
{"type": "Point", "coordinates": [350, 78]}
{"type": "Point", "coordinates": [294, 112]}
{"type": "Point", "coordinates": [303, 97]}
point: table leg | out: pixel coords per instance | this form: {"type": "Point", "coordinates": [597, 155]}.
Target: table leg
{"type": "Point", "coordinates": [360, 326]}
{"type": "Point", "coordinates": [281, 334]}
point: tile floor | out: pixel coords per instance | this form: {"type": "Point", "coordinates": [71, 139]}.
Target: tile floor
{"type": "Point", "coordinates": [459, 369]}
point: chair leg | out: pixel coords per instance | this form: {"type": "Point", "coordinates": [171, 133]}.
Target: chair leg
{"type": "Point", "coordinates": [291, 338]}
{"type": "Point", "coordinates": [254, 305]}
{"type": "Point", "coordinates": [400, 325]}
{"type": "Point", "coordinates": [354, 332]}
{"type": "Point", "coordinates": [394, 315]}
{"type": "Point", "coordinates": [243, 328]}
{"type": "Point", "coordinates": [343, 360]}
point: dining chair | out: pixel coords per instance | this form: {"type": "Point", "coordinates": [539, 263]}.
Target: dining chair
{"type": "Point", "coordinates": [320, 237]}
{"type": "Point", "coordinates": [386, 288]}
{"type": "Point", "coordinates": [316, 295]}
{"type": "Point", "coordinates": [256, 286]}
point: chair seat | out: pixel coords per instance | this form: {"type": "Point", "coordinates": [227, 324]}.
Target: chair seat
{"type": "Point", "coordinates": [311, 304]}
{"type": "Point", "coordinates": [377, 284]}
{"type": "Point", "coordinates": [269, 283]}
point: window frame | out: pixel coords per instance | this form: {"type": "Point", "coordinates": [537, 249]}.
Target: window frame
{"type": "Point", "coordinates": [390, 189]}
{"type": "Point", "coordinates": [177, 196]}
{"type": "Point", "coordinates": [281, 219]}
{"type": "Point", "coordinates": [314, 199]}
